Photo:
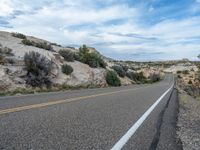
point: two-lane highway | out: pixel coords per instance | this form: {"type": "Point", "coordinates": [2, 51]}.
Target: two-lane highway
{"type": "Point", "coordinates": [84, 119]}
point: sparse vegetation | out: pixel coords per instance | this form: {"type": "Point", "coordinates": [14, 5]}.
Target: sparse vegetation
{"type": "Point", "coordinates": [2, 61]}
{"type": "Point", "coordinates": [5, 51]}
{"type": "Point", "coordinates": [77, 56]}
{"type": "Point", "coordinates": [154, 77]}
{"type": "Point", "coordinates": [120, 71]}
{"type": "Point", "coordinates": [28, 42]}
{"type": "Point", "coordinates": [67, 69]}
{"type": "Point", "coordinates": [179, 77]}
{"type": "Point", "coordinates": [112, 79]}
{"type": "Point", "coordinates": [136, 76]}
{"type": "Point", "coordinates": [67, 55]}
{"type": "Point", "coordinates": [19, 35]}
{"type": "Point", "coordinates": [38, 69]}
{"type": "Point", "coordinates": [185, 72]}
{"type": "Point", "coordinates": [42, 45]}
{"type": "Point", "coordinates": [55, 44]}
{"type": "Point", "coordinates": [92, 59]}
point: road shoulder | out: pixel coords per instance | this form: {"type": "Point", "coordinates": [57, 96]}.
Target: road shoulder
{"type": "Point", "coordinates": [189, 121]}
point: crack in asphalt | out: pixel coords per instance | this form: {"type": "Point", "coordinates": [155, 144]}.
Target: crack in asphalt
{"type": "Point", "coordinates": [156, 137]}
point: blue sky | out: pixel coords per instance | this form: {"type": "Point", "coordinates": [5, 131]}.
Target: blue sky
{"type": "Point", "coordinates": [139, 30]}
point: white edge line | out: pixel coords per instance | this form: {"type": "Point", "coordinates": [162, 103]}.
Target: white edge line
{"type": "Point", "coordinates": [124, 139]}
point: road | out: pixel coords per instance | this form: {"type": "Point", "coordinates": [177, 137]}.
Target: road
{"type": "Point", "coordinates": [89, 118]}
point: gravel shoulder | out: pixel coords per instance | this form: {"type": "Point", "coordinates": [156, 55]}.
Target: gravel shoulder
{"type": "Point", "coordinates": [189, 121]}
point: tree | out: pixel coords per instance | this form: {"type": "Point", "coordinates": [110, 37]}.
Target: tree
{"type": "Point", "coordinates": [92, 59]}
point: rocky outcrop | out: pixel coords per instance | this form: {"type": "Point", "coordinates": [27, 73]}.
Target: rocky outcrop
{"type": "Point", "coordinates": [82, 75]}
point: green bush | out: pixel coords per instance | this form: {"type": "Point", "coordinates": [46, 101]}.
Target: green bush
{"type": "Point", "coordinates": [112, 79]}
{"type": "Point", "coordinates": [178, 72]}
{"type": "Point", "coordinates": [67, 69]}
{"type": "Point", "coordinates": [19, 35]}
{"type": "Point", "coordinates": [38, 69]}
{"type": "Point", "coordinates": [67, 55]}
{"type": "Point", "coordinates": [120, 71]}
{"type": "Point", "coordinates": [92, 59]}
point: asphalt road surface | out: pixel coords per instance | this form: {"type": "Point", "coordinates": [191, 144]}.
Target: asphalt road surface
{"type": "Point", "coordinates": [91, 119]}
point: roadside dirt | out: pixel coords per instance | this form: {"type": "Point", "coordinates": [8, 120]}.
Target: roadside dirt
{"type": "Point", "coordinates": [189, 121]}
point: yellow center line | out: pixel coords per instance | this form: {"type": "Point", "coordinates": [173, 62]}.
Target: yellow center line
{"type": "Point", "coordinates": [27, 107]}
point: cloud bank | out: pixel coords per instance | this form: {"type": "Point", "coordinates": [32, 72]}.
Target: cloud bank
{"type": "Point", "coordinates": [124, 29]}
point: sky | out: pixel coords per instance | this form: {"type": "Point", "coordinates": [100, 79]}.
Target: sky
{"type": "Point", "coordinates": [138, 30]}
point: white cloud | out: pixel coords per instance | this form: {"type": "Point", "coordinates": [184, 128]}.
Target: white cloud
{"type": "Point", "coordinates": [6, 7]}
{"type": "Point", "coordinates": [64, 23]}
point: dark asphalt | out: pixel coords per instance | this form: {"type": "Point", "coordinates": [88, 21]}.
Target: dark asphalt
{"type": "Point", "coordinates": [92, 123]}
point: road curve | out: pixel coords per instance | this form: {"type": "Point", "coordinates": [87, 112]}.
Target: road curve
{"type": "Point", "coordinates": [83, 119]}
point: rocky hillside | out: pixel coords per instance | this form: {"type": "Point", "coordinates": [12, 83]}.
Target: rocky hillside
{"type": "Point", "coordinates": [27, 63]}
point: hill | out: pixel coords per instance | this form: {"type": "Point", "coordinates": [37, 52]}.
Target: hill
{"type": "Point", "coordinates": [68, 67]}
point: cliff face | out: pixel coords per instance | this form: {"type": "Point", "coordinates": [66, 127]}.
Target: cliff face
{"type": "Point", "coordinates": [12, 74]}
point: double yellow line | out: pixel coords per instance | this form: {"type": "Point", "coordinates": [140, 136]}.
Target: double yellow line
{"type": "Point", "coordinates": [21, 108]}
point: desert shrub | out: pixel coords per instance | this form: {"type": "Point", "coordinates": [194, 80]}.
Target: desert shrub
{"type": "Point", "coordinates": [154, 77]}
{"type": "Point", "coordinates": [28, 42]}
{"type": "Point", "coordinates": [125, 68]}
{"type": "Point", "coordinates": [185, 72]}
{"type": "Point", "coordinates": [19, 35]}
{"type": "Point", "coordinates": [10, 60]}
{"type": "Point", "coordinates": [189, 82]}
{"type": "Point", "coordinates": [112, 79]}
{"type": "Point", "coordinates": [42, 45]}
{"type": "Point", "coordinates": [77, 56]}
{"type": "Point", "coordinates": [135, 76]}
{"type": "Point", "coordinates": [92, 59]}
{"type": "Point", "coordinates": [1, 59]}
{"type": "Point", "coordinates": [132, 76]}
{"type": "Point", "coordinates": [55, 44]}
{"type": "Point", "coordinates": [179, 77]}
{"type": "Point", "coordinates": [7, 51]}
{"type": "Point", "coordinates": [120, 71]}
{"type": "Point", "coordinates": [38, 69]}
{"type": "Point", "coordinates": [67, 55]}
{"type": "Point", "coordinates": [67, 69]}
